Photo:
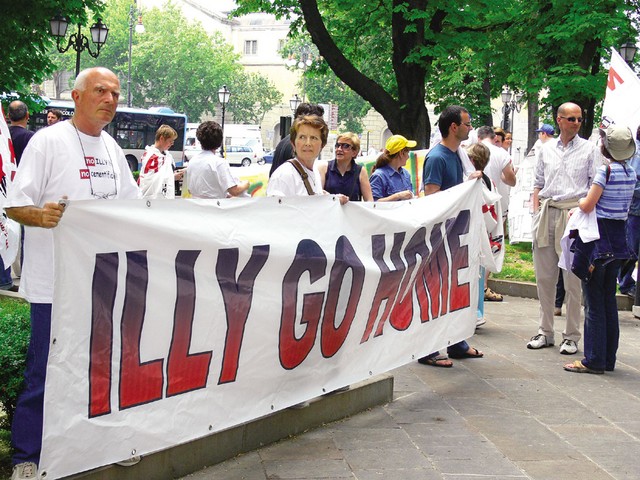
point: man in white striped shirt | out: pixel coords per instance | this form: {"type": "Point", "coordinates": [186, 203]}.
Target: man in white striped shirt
{"type": "Point", "coordinates": [564, 171]}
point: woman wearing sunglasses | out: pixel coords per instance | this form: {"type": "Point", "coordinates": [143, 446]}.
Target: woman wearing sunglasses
{"type": "Point", "coordinates": [343, 175]}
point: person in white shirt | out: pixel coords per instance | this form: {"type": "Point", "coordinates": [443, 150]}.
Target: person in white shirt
{"type": "Point", "coordinates": [157, 177]}
{"type": "Point", "coordinates": [564, 171]}
{"type": "Point", "coordinates": [74, 160]}
{"type": "Point", "coordinates": [500, 168]}
{"type": "Point", "coordinates": [300, 175]}
{"type": "Point", "coordinates": [208, 174]}
{"type": "Point", "coordinates": [500, 171]}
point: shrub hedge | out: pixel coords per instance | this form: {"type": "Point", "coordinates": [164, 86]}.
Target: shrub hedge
{"type": "Point", "coordinates": [15, 330]}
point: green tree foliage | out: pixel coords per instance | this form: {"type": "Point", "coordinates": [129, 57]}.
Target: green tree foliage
{"type": "Point", "coordinates": [176, 63]}
{"type": "Point", "coordinates": [253, 95]}
{"type": "Point", "coordinates": [26, 40]}
{"type": "Point", "coordinates": [368, 49]}
{"type": "Point", "coordinates": [398, 53]}
{"type": "Point", "coordinates": [320, 85]}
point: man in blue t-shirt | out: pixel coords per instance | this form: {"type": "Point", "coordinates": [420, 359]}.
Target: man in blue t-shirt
{"type": "Point", "coordinates": [443, 170]}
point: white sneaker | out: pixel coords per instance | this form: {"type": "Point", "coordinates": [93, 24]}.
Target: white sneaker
{"type": "Point", "coordinates": [23, 471]}
{"type": "Point", "coordinates": [480, 321]}
{"type": "Point", "coordinates": [539, 341]}
{"type": "Point", "coordinates": [568, 347]}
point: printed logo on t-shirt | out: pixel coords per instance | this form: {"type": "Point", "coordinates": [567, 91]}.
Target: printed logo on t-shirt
{"type": "Point", "coordinates": [152, 164]}
{"type": "Point", "coordinates": [101, 176]}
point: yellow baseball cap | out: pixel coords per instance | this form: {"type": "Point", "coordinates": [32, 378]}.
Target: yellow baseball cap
{"type": "Point", "coordinates": [397, 143]}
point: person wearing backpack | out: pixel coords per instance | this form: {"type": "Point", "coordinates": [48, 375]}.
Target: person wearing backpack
{"type": "Point", "coordinates": [610, 195]}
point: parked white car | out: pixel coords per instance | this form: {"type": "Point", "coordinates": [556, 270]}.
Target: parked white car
{"type": "Point", "coordinates": [241, 155]}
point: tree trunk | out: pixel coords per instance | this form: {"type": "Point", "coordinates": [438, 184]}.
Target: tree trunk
{"type": "Point", "coordinates": [408, 114]}
{"type": "Point", "coordinates": [486, 97]}
{"type": "Point", "coordinates": [533, 119]}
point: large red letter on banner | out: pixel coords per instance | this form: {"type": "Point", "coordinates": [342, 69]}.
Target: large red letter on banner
{"type": "Point", "coordinates": [460, 294]}
{"type": "Point", "coordinates": [185, 371]}
{"type": "Point", "coordinates": [334, 336]}
{"type": "Point", "coordinates": [402, 312]}
{"type": "Point", "coordinates": [139, 382]}
{"type": "Point", "coordinates": [103, 294]}
{"type": "Point", "coordinates": [293, 350]}
{"type": "Point", "coordinates": [389, 282]}
{"type": "Point", "coordinates": [237, 296]}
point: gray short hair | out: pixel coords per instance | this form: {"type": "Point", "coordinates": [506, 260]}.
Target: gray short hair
{"type": "Point", "coordinates": [81, 80]}
{"type": "Point", "coordinates": [486, 132]}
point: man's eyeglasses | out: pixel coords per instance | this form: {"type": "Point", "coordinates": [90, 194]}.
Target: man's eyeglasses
{"type": "Point", "coordinates": [572, 119]}
{"type": "Point", "coordinates": [468, 124]}
{"type": "Point", "coordinates": [344, 146]}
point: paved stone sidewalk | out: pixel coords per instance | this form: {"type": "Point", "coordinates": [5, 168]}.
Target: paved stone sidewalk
{"type": "Point", "coordinates": [516, 414]}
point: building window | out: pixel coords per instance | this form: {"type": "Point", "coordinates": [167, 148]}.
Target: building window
{"type": "Point", "coordinates": [250, 47]}
{"type": "Point", "coordinates": [280, 45]}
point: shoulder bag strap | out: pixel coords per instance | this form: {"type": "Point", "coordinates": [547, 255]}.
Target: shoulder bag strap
{"type": "Point", "coordinates": [356, 180]}
{"type": "Point", "coordinates": [303, 174]}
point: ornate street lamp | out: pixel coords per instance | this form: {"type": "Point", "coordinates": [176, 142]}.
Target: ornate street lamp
{"type": "Point", "coordinates": [512, 104]}
{"type": "Point", "coordinates": [99, 32]}
{"type": "Point", "coordinates": [302, 58]}
{"type": "Point", "coordinates": [628, 52]}
{"type": "Point", "coordinates": [293, 104]}
{"type": "Point", "coordinates": [133, 13]}
{"type": "Point", "coordinates": [223, 98]}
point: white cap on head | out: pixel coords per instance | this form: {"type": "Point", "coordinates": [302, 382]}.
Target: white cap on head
{"type": "Point", "coordinates": [619, 141]}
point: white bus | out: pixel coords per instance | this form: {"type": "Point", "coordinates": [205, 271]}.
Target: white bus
{"type": "Point", "coordinates": [133, 128]}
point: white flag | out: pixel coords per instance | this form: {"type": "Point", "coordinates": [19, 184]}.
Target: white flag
{"type": "Point", "coordinates": [9, 230]}
{"type": "Point", "coordinates": [622, 100]}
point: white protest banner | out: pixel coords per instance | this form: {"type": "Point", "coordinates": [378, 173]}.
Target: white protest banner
{"type": "Point", "coordinates": [622, 100]}
{"type": "Point", "coordinates": [175, 319]}
{"type": "Point", "coordinates": [520, 203]}
{"type": "Point", "coordinates": [9, 230]}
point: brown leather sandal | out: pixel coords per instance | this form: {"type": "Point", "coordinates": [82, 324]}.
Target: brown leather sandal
{"type": "Point", "coordinates": [491, 296]}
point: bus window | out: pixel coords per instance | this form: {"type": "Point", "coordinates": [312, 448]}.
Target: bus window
{"type": "Point", "coordinates": [132, 128]}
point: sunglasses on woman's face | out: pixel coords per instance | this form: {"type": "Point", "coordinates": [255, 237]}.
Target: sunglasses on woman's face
{"type": "Point", "coordinates": [343, 146]}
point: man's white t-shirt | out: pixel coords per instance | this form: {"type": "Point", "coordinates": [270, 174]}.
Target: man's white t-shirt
{"type": "Point", "coordinates": [498, 161]}
{"type": "Point", "coordinates": [286, 181]}
{"type": "Point", "coordinates": [209, 176]}
{"type": "Point", "coordinates": [61, 161]}
{"type": "Point", "coordinates": [156, 174]}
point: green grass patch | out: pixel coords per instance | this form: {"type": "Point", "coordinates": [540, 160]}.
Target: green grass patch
{"type": "Point", "coordinates": [5, 454]}
{"type": "Point", "coordinates": [518, 263]}
{"type": "Point", "coordinates": [14, 339]}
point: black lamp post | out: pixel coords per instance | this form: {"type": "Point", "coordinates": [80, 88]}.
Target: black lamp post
{"type": "Point", "coordinates": [293, 104]}
{"type": "Point", "coordinates": [628, 52]}
{"type": "Point", "coordinates": [303, 60]}
{"type": "Point", "coordinates": [99, 32]}
{"type": "Point", "coordinates": [223, 98]}
{"type": "Point", "coordinates": [133, 13]}
{"type": "Point", "coordinates": [511, 103]}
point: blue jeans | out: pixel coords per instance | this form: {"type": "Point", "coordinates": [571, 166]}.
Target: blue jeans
{"type": "Point", "coordinates": [5, 276]}
{"type": "Point", "coordinates": [560, 293]}
{"type": "Point", "coordinates": [26, 430]}
{"type": "Point", "coordinates": [601, 329]}
{"type": "Point", "coordinates": [481, 293]}
{"type": "Point", "coordinates": [625, 279]}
